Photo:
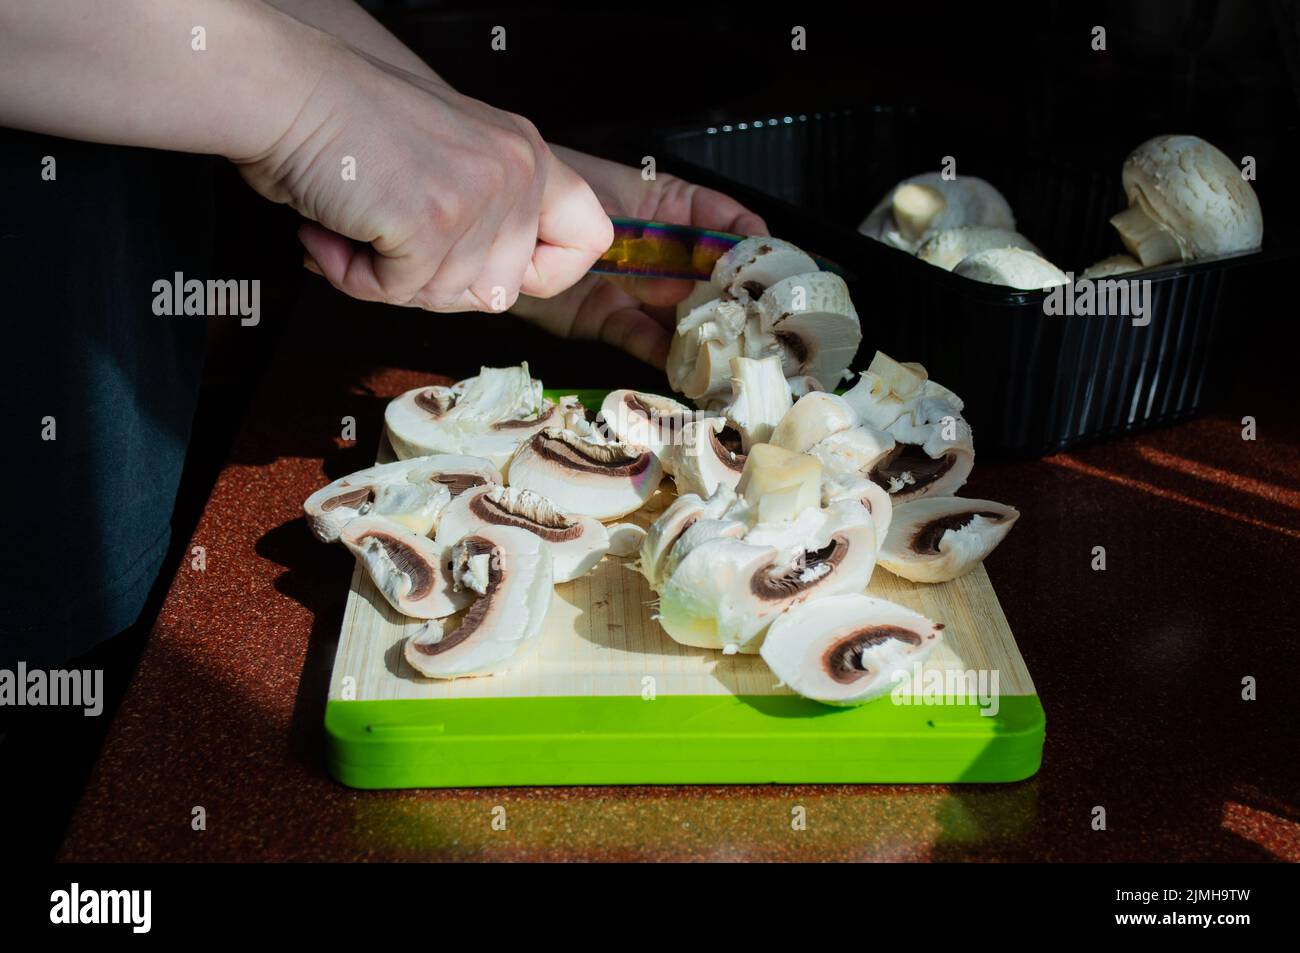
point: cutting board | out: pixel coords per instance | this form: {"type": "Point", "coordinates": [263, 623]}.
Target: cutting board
{"type": "Point", "coordinates": [607, 697]}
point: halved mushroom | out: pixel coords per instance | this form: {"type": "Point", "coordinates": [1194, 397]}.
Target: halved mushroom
{"type": "Point", "coordinates": [875, 499]}
{"type": "Point", "coordinates": [750, 267]}
{"type": "Point", "coordinates": [1011, 268]}
{"type": "Point", "coordinates": [1187, 200]}
{"type": "Point", "coordinates": [710, 454]}
{"type": "Point", "coordinates": [510, 570]}
{"type": "Point", "coordinates": [411, 492]}
{"type": "Point", "coordinates": [646, 420]}
{"type": "Point", "coordinates": [576, 543]}
{"type": "Point", "coordinates": [812, 317]}
{"type": "Point", "coordinates": [488, 416]}
{"type": "Point", "coordinates": [580, 476]}
{"type": "Point", "coordinates": [847, 649]}
{"type": "Point", "coordinates": [723, 593]}
{"type": "Point", "coordinates": [812, 419]}
{"type": "Point", "coordinates": [933, 454]}
{"type": "Point", "coordinates": [924, 204]}
{"type": "Point", "coordinates": [411, 571]}
{"type": "Point", "coordinates": [947, 248]}
{"type": "Point", "coordinates": [943, 537]}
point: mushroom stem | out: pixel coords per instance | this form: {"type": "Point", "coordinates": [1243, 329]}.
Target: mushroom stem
{"type": "Point", "coordinates": [1145, 238]}
{"type": "Point", "coordinates": [915, 207]}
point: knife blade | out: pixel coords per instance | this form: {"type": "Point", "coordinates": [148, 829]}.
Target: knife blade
{"type": "Point", "coordinates": [644, 249]}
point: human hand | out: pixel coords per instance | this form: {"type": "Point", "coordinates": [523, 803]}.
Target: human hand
{"type": "Point", "coordinates": [454, 205]}
{"type": "Point", "coordinates": [635, 314]}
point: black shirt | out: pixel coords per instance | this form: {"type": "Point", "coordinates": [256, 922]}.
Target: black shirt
{"type": "Point", "coordinates": [84, 517]}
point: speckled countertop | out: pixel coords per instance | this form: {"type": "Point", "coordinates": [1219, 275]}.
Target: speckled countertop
{"type": "Point", "coordinates": [1139, 668]}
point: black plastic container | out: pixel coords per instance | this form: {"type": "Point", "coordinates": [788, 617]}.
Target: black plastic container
{"type": "Point", "coordinates": [1033, 384]}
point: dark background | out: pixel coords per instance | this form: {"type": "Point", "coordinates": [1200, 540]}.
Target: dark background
{"type": "Point", "coordinates": [986, 79]}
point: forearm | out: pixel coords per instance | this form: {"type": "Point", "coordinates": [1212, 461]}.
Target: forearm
{"type": "Point", "coordinates": [346, 20]}
{"type": "Point", "coordinates": [128, 73]}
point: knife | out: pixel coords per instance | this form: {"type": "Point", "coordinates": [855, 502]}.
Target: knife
{"type": "Point", "coordinates": [644, 249]}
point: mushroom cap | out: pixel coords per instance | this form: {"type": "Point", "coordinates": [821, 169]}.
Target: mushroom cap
{"type": "Point", "coordinates": [812, 419]}
{"type": "Point", "coordinates": [751, 266]}
{"type": "Point", "coordinates": [510, 568]}
{"type": "Point", "coordinates": [869, 494]}
{"type": "Point", "coordinates": [671, 523]}
{"type": "Point", "coordinates": [412, 492]}
{"type": "Point", "coordinates": [969, 201]}
{"type": "Point", "coordinates": [854, 451]}
{"type": "Point", "coordinates": [605, 481]}
{"type": "Point", "coordinates": [647, 420]}
{"type": "Point", "coordinates": [845, 649]}
{"type": "Point", "coordinates": [1114, 265]}
{"type": "Point", "coordinates": [576, 543]}
{"type": "Point", "coordinates": [411, 571]}
{"type": "Point", "coordinates": [942, 537]}
{"type": "Point", "coordinates": [946, 249]}
{"type": "Point", "coordinates": [1196, 193]}
{"type": "Point", "coordinates": [1011, 268]}
{"type": "Point", "coordinates": [813, 318]}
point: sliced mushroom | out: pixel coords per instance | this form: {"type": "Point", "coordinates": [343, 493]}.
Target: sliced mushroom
{"type": "Point", "coordinates": [579, 476]}
{"type": "Point", "coordinates": [625, 539]}
{"type": "Point", "coordinates": [671, 523]}
{"type": "Point", "coordinates": [411, 571]}
{"type": "Point", "coordinates": [710, 454]}
{"type": "Point", "coordinates": [646, 420]}
{"type": "Point", "coordinates": [887, 390]}
{"type": "Point", "coordinates": [778, 484]}
{"type": "Point", "coordinates": [576, 543]}
{"type": "Point", "coordinates": [1011, 268]}
{"type": "Point", "coordinates": [411, 492]}
{"type": "Point", "coordinates": [910, 213]}
{"type": "Point", "coordinates": [812, 419]}
{"type": "Point", "coordinates": [947, 248]}
{"type": "Point", "coordinates": [1114, 265]}
{"type": "Point", "coordinates": [853, 452]}
{"type": "Point", "coordinates": [943, 537]}
{"type": "Point", "coordinates": [723, 593]}
{"type": "Point", "coordinates": [699, 365]}
{"type": "Point", "coordinates": [870, 495]}
{"type": "Point", "coordinates": [1187, 200]}
{"type": "Point", "coordinates": [485, 416]}
{"type": "Point", "coordinates": [813, 319]}
{"type": "Point", "coordinates": [933, 453]}
{"type": "Point", "coordinates": [750, 267]}
{"type": "Point", "coordinates": [510, 570]}
{"type": "Point", "coordinates": [847, 649]}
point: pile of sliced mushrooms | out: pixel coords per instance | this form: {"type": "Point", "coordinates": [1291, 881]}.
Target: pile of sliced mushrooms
{"type": "Point", "coordinates": [1186, 201]}
{"type": "Point", "coordinates": [787, 495]}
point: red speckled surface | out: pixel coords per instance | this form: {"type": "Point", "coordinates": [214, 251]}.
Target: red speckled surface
{"type": "Point", "coordinates": [1139, 668]}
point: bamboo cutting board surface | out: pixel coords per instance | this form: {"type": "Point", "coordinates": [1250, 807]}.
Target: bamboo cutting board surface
{"type": "Point", "coordinates": [600, 639]}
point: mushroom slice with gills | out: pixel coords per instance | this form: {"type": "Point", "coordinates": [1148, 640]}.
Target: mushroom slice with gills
{"type": "Point", "coordinates": [1187, 200]}
{"type": "Point", "coordinates": [1011, 268]}
{"type": "Point", "coordinates": [933, 454]}
{"type": "Point", "coordinates": [411, 492]}
{"type": "Point", "coordinates": [943, 537]}
{"type": "Point", "coordinates": [576, 543]}
{"type": "Point", "coordinates": [888, 389]}
{"type": "Point", "coordinates": [1109, 267]}
{"type": "Point", "coordinates": [604, 480]}
{"type": "Point", "coordinates": [909, 214]}
{"type": "Point", "coordinates": [947, 248]}
{"type": "Point", "coordinates": [760, 398]}
{"type": "Point", "coordinates": [508, 570]}
{"type": "Point", "coordinates": [725, 592]}
{"type": "Point", "coordinates": [710, 454]}
{"type": "Point", "coordinates": [485, 416]}
{"type": "Point", "coordinates": [852, 452]}
{"type": "Point", "coordinates": [411, 571]}
{"type": "Point", "coordinates": [753, 265]}
{"type": "Point", "coordinates": [812, 419]}
{"type": "Point", "coordinates": [869, 494]}
{"type": "Point", "coordinates": [646, 420]}
{"type": "Point", "coordinates": [813, 318]}
{"type": "Point", "coordinates": [846, 649]}
{"type": "Point", "coordinates": [672, 522]}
